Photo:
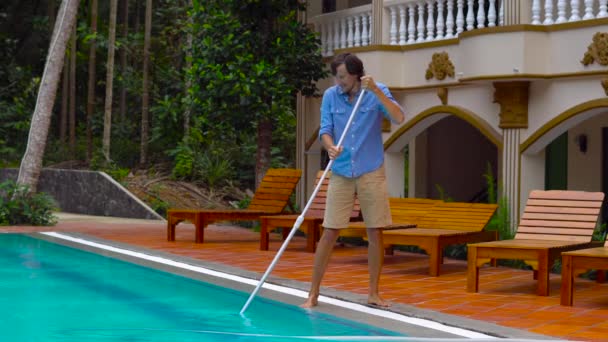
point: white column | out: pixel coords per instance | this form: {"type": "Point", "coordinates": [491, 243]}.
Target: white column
{"type": "Point", "coordinates": [329, 40]}
{"type": "Point", "coordinates": [343, 33]}
{"type": "Point", "coordinates": [470, 16]}
{"type": "Point", "coordinates": [430, 21]}
{"type": "Point", "coordinates": [357, 37]}
{"type": "Point", "coordinates": [350, 35]}
{"type": "Point", "coordinates": [501, 13]}
{"type": "Point", "coordinates": [402, 26]}
{"type": "Point", "coordinates": [411, 27]}
{"type": "Point", "coordinates": [393, 28]}
{"type": "Point", "coordinates": [561, 12]}
{"type": "Point", "coordinates": [536, 12]}
{"type": "Point", "coordinates": [574, 13]}
{"type": "Point", "coordinates": [449, 22]}
{"type": "Point", "coordinates": [481, 14]}
{"type": "Point", "coordinates": [492, 14]}
{"type": "Point", "coordinates": [440, 19]}
{"type": "Point", "coordinates": [376, 23]}
{"type": "Point", "coordinates": [460, 17]}
{"type": "Point", "coordinates": [588, 10]}
{"type": "Point", "coordinates": [510, 171]}
{"type": "Point", "coordinates": [603, 9]}
{"type": "Point", "coordinates": [364, 30]}
{"type": "Point", "coordinates": [336, 35]}
{"type": "Point", "coordinates": [420, 22]}
{"type": "Point", "coordinates": [548, 12]}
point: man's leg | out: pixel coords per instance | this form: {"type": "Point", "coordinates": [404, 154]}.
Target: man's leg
{"type": "Point", "coordinates": [322, 256]}
{"type": "Point", "coordinates": [375, 259]}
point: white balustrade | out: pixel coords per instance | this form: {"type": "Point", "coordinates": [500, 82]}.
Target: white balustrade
{"type": "Point", "coordinates": [569, 11]}
{"type": "Point", "coordinates": [417, 21]}
{"type": "Point", "coordinates": [492, 14]}
{"type": "Point", "coordinates": [344, 29]}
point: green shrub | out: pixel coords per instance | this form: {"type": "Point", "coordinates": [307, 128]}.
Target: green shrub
{"type": "Point", "coordinates": [20, 207]}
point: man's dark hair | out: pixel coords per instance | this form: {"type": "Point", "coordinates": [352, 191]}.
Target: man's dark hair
{"type": "Point", "coordinates": [353, 64]}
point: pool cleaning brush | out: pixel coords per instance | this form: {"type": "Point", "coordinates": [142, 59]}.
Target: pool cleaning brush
{"type": "Point", "coordinates": [300, 218]}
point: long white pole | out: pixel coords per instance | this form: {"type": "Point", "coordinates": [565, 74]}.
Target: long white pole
{"type": "Point", "coordinates": [300, 218]}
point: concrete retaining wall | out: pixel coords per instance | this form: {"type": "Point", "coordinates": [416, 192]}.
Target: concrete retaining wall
{"type": "Point", "coordinates": [88, 193]}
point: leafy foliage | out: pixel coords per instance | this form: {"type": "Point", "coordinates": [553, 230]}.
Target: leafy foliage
{"type": "Point", "coordinates": [18, 206]}
{"type": "Point", "coordinates": [249, 60]}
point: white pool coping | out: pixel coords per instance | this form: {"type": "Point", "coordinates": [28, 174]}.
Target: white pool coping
{"type": "Point", "coordinates": [421, 322]}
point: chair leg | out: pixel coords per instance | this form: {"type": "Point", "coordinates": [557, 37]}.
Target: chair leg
{"type": "Point", "coordinates": [264, 234]}
{"type": "Point", "coordinates": [543, 273]}
{"type": "Point", "coordinates": [472, 270]}
{"type": "Point", "coordinates": [567, 289]}
{"type": "Point", "coordinates": [311, 237]}
{"type": "Point", "coordinates": [435, 257]}
{"type": "Point", "coordinates": [171, 223]}
{"type": "Point", "coordinates": [200, 222]}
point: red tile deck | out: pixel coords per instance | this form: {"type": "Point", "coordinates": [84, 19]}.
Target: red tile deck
{"type": "Point", "coordinates": [507, 296]}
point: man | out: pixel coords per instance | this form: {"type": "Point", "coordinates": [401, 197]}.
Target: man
{"type": "Point", "coordinates": [358, 166]}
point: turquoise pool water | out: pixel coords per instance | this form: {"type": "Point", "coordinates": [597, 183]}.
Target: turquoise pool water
{"type": "Point", "coordinates": [50, 292]}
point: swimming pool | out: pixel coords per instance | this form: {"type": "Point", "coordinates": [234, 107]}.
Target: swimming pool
{"type": "Point", "coordinates": [166, 308]}
{"type": "Point", "coordinates": [51, 292]}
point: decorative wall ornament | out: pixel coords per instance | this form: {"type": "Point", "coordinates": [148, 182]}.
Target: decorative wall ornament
{"type": "Point", "coordinates": [442, 93]}
{"type": "Point", "coordinates": [440, 66]}
{"type": "Point", "coordinates": [597, 50]}
{"type": "Point", "coordinates": [513, 100]}
{"type": "Point", "coordinates": [605, 85]}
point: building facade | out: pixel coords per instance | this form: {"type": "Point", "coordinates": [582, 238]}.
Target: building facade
{"type": "Point", "coordinates": [518, 88]}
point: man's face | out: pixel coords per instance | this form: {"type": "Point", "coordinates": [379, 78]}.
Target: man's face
{"type": "Point", "coordinates": [345, 80]}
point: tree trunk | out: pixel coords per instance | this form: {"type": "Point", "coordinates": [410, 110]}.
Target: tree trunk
{"type": "Point", "coordinates": [63, 114]}
{"type": "Point", "coordinates": [187, 110]}
{"type": "Point", "coordinates": [263, 154]}
{"type": "Point", "coordinates": [123, 59]}
{"type": "Point", "coordinates": [145, 97]}
{"type": "Point", "coordinates": [72, 120]}
{"type": "Point", "coordinates": [107, 118]}
{"type": "Point", "coordinates": [31, 164]}
{"type": "Point", "coordinates": [92, 80]}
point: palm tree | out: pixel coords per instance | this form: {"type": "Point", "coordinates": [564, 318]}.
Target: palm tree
{"type": "Point", "coordinates": [31, 164]}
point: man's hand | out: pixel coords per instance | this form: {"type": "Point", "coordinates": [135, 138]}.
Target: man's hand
{"type": "Point", "coordinates": [367, 82]}
{"type": "Point", "coordinates": [334, 151]}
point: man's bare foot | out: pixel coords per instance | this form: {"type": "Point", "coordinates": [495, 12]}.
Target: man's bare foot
{"type": "Point", "coordinates": [377, 301]}
{"type": "Point", "coordinates": [312, 301]}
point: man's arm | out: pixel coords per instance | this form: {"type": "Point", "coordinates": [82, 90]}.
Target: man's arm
{"type": "Point", "coordinates": [328, 143]}
{"type": "Point", "coordinates": [393, 109]}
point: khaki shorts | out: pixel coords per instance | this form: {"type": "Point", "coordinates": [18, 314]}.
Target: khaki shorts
{"type": "Point", "coordinates": [371, 192]}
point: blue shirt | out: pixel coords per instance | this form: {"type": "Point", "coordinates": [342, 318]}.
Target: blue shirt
{"type": "Point", "coordinates": [363, 148]}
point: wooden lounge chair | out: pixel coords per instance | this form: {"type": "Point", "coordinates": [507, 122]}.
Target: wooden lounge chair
{"type": "Point", "coordinates": [575, 262]}
{"type": "Point", "coordinates": [405, 212]}
{"type": "Point", "coordinates": [553, 222]}
{"type": "Point", "coordinates": [446, 223]}
{"type": "Point", "coordinates": [312, 219]}
{"type": "Point", "coordinates": [271, 198]}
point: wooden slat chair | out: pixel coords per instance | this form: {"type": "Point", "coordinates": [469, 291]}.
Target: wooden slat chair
{"type": "Point", "coordinates": [576, 262]}
{"type": "Point", "coordinates": [553, 222]}
{"type": "Point", "coordinates": [271, 198]}
{"type": "Point", "coordinates": [312, 219]}
{"type": "Point", "coordinates": [446, 223]}
{"type": "Point", "coordinates": [405, 212]}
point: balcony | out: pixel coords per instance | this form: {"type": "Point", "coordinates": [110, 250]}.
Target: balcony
{"type": "Point", "coordinates": [410, 22]}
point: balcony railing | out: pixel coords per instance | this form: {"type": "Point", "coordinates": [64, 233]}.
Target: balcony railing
{"type": "Point", "coordinates": [416, 21]}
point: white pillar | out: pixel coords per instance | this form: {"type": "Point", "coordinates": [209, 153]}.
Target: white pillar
{"type": "Point", "coordinates": [510, 171]}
